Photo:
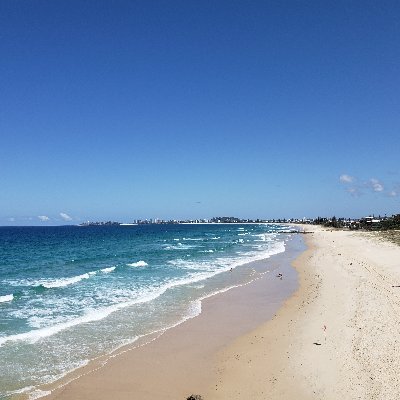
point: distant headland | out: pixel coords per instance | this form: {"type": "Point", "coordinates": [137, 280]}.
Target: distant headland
{"type": "Point", "coordinates": [371, 222]}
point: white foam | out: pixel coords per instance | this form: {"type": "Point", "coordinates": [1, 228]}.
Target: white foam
{"type": "Point", "coordinates": [179, 246]}
{"type": "Point", "coordinates": [35, 335]}
{"type": "Point", "coordinates": [198, 286]}
{"type": "Point", "coordinates": [140, 263]}
{"type": "Point", "coordinates": [19, 391]}
{"type": "Point", "coordinates": [36, 394]}
{"type": "Point", "coordinates": [107, 270]}
{"type": "Point", "coordinates": [7, 297]}
{"type": "Point", "coordinates": [222, 264]}
{"type": "Point", "coordinates": [90, 316]}
{"type": "Point", "coordinates": [200, 271]}
{"type": "Point", "coordinates": [56, 283]}
{"type": "Point", "coordinates": [60, 282]}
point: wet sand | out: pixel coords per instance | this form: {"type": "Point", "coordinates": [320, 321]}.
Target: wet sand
{"type": "Point", "coordinates": [182, 360]}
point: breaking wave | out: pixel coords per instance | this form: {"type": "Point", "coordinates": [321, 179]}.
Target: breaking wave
{"type": "Point", "coordinates": [6, 298]}
{"type": "Point", "coordinates": [57, 283]}
{"type": "Point", "coordinates": [140, 263]}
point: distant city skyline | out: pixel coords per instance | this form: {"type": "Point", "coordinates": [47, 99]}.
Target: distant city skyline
{"type": "Point", "coordinates": [134, 110]}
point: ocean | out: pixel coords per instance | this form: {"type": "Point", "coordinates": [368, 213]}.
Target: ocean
{"type": "Point", "coordinates": [72, 294]}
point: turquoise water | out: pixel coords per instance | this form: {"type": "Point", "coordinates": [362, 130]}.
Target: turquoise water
{"type": "Point", "coordinates": [70, 294]}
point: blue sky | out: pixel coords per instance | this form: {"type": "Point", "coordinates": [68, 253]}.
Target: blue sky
{"type": "Point", "coordinates": [154, 109]}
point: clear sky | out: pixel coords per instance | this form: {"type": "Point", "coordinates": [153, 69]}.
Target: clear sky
{"type": "Point", "coordinates": [177, 109]}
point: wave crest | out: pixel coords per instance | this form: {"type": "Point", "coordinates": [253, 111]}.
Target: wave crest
{"type": "Point", "coordinates": [7, 297]}
{"type": "Point", "coordinates": [56, 283]}
{"type": "Point", "coordinates": [140, 263]}
{"type": "Point", "coordinates": [107, 270]}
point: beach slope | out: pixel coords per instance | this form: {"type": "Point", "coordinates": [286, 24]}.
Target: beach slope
{"type": "Point", "coordinates": [337, 337]}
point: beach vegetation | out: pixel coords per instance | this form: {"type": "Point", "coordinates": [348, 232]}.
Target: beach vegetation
{"type": "Point", "coordinates": [370, 223]}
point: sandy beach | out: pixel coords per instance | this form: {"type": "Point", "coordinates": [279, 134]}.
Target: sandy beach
{"type": "Point", "coordinates": [335, 336]}
{"type": "Point", "coordinates": [182, 360]}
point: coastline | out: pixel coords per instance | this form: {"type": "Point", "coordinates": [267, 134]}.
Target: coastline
{"type": "Point", "coordinates": [181, 360]}
{"type": "Point", "coordinates": [110, 288]}
{"type": "Point", "coordinates": [333, 333]}
{"type": "Point", "coordinates": [336, 337]}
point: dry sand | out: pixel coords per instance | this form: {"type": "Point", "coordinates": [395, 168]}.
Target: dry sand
{"type": "Point", "coordinates": [337, 337]}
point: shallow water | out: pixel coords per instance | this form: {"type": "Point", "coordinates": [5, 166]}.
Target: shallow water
{"type": "Point", "coordinates": [71, 294]}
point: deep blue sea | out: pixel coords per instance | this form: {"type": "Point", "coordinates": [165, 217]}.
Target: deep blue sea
{"type": "Point", "coordinates": [71, 294]}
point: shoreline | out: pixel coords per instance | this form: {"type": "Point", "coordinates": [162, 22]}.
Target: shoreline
{"type": "Point", "coordinates": [336, 337]}
{"type": "Point", "coordinates": [76, 313]}
{"type": "Point", "coordinates": [190, 346]}
{"type": "Point", "coordinates": [265, 347]}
